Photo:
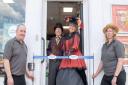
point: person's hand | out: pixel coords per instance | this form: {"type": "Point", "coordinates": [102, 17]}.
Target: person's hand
{"type": "Point", "coordinates": [114, 81]}
{"type": "Point", "coordinates": [79, 21]}
{"type": "Point", "coordinates": [30, 75]}
{"type": "Point", "coordinates": [51, 55]}
{"type": "Point", "coordinates": [94, 76]}
{"type": "Point", "coordinates": [10, 81]}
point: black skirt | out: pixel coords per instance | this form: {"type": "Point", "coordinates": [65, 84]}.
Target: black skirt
{"type": "Point", "coordinates": [70, 77]}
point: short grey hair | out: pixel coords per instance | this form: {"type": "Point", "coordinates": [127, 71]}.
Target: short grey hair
{"type": "Point", "coordinates": [20, 25]}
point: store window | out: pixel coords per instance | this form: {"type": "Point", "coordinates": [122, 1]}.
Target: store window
{"type": "Point", "coordinates": [12, 13]}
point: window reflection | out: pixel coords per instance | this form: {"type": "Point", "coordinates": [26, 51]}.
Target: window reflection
{"type": "Point", "coordinates": [11, 14]}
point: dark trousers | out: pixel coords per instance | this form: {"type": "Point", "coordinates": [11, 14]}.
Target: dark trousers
{"type": "Point", "coordinates": [18, 80]}
{"type": "Point", "coordinates": [82, 74]}
{"type": "Point", "coordinates": [121, 79]}
{"type": "Point", "coordinates": [53, 70]}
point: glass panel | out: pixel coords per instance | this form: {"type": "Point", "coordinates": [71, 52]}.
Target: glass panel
{"type": "Point", "coordinates": [12, 13]}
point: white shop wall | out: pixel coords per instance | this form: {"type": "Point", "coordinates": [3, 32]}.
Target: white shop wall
{"type": "Point", "coordinates": [100, 14]}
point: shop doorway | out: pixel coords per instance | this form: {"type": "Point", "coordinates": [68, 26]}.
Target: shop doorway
{"type": "Point", "coordinates": [56, 13]}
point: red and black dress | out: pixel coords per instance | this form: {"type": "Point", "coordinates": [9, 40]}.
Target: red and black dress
{"type": "Point", "coordinates": [72, 48]}
{"type": "Point", "coordinates": [72, 70]}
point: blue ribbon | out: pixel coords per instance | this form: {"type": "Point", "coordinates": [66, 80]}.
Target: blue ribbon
{"type": "Point", "coordinates": [63, 57]}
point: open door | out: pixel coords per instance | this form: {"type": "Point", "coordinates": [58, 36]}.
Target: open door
{"type": "Point", "coordinates": [55, 13]}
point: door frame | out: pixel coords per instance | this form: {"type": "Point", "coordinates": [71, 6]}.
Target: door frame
{"type": "Point", "coordinates": [86, 32]}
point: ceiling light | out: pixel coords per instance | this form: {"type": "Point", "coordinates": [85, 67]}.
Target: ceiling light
{"type": "Point", "coordinates": [67, 9]}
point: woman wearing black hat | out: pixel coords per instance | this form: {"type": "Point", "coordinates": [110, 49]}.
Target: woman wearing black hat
{"type": "Point", "coordinates": [55, 49]}
{"type": "Point", "coordinates": [72, 72]}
